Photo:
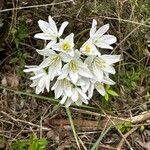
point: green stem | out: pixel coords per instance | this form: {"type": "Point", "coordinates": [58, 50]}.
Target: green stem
{"type": "Point", "coordinates": [72, 126]}
{"type": "Point", "coordinates": [55, 101]}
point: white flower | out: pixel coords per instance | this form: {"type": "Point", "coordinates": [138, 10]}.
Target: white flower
{"type": "Point", "coordinates": [78, 97]}
{"type": "Point", "coordinates": [50, 31]}
{"type": "Point", "coordinates": [41, 79]}
{"type": "Point", "coordinates": [88, 48]}
{"type": "Point", "coordinates": [47, 51]}
{"type": "Point", "coordinates": [99, 39]}
{"type": "Point", "coordinates": [53, 64]}
{"type": "Point", "coordinates": [65, 45]}
{"type": "Point", "coordinates": [101, 65]}
{"type": "Point", "coordinates": [62, 87]}
{"type": "Point", "coordinates": [74, 69]}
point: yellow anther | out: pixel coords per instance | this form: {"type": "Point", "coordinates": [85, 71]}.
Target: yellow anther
{"type": "Point", "coordinates": [66, 46]}
{"type": "Point", "coordinates": [88, 48]}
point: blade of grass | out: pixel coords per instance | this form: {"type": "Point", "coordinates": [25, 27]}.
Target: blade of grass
{"type": "Point", "coordinates": [72, 126]}
{"type": "Point", "coordinates": [95, 146]}
{"type": "Point", "coordinates": [55, 101]}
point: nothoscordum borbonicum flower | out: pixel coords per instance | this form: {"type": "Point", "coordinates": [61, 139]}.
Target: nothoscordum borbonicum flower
{"type": "Point", "coordinates": [88, 48]}
{"type": "Point", "coordinates": [49, 30]}
{"type": "Point", "coordinates": [75, 76]}
{"type": "Point", "coordinates": [99, 39]}
{"type": "Point", "coordinates": [74, 69]}
{"type": "Point", "coordinates": [65, 45]}
{"type": "Point", "coordinates": [102, 64]}
{"type": "Point", "coordinates": [78, 97]}
{"type": "Point", "coordinates": [41, 79]}
{"type": "Point", "coordinates": [62, 87]}
{"type": "Point", "coordinates": [53, 64]}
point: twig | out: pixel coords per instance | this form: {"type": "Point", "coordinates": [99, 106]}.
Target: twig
{"type": "Point", "coordinates": [36, 6]}
{"type": "Point", "coordinates": [119, 147]}
{"type": "Point", "coordinates": [23, 121]}
{"type": "Point", "coordinates": [124, 20]}
{"type": "Point", "coordinates": [130, 34]}
{"type": "Point", "coordinates": [140, 118]}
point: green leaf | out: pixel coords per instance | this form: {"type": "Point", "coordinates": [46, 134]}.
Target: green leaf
{"type": "Point", "coordinates": [113, 93]}
{"type": "Point", "coordinates": [95, 146]}
{"type": "Point", "coordinates": [106, 97]}
{"type": "Point", "coordinates": [72, 126]}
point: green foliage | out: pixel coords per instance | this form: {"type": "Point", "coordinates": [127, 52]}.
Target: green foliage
{"type": "Point", "coordinates": [142, 128]}
{"type": "Point", "coordinates": [33, 143]}
{"type": "Point", "coordinates": [109, 92]}
{"type": "Point", "coordinates": [124, 127]}
{"type": "Point", "coordinates": [19, 33]}
{"type": "Point", "coordinates": [147, 96]}
{"type": "Point", "coordinates": [19, 61]}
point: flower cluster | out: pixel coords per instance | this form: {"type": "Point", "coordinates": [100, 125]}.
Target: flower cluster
{"type": "Point", "coordinates": [72, 73]}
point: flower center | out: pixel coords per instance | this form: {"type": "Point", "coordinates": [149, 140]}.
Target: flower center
{"type": "Point", "coordinates": [101, 63]}
{"type": "Point", "coordinates": [73, 66]}
{"type": "Point", "coordinates": [66, 46]}
{"type": "Point", "coordinates": [88, 48]}
{"type": "Point", "coordinates": [55, 59]}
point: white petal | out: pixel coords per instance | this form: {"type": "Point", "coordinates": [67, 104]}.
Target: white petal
{"type": "Point", "coordinates": [79, 102]}
{"type": "Point", "coordinates": [64, 72]}
{"type": "Point", "coordinates": [32, 69]}
{"type": "Point", "coordinates": [45, 63]}
{"type": "Point", "coordinates": [101, 91]}
{"type": "Point", "coordinates": [43, 36]}
{"type": "Point", "coordinates": [55, 85]}
{"type": "Point", "coordinates": [111, 59]}
{"type": "Point", "coordinates": [85, 72]}
{"type": "Point", "coordinates": [50, 44]}
{"type": "Point", "coordinates": [45, 52]}
{"type": "Point", "coordinates": [63, 100]}
{"type": "Point", "coordinates": [91, 90]}
{"type": "Point", "coordinates": [44, 26]}
{"type": "Point", "coordinates": [35, 83]}
{"type": "Point", "coordinates": [103, 45]}
{"type": "Point", "coordinates": [93, 28]}
{"type": "Point", "coordinates": [109, 69]}
{"type": "Point", "coordinates": [109, 39]}
{"type": "Point", "coordinates": [59, 67]}
{"type": "Point", "coordinates": [41, 83]}
{"type": "Point", "coordinates": [58, 92]}
{"type": "Point", "coordinates": [37, 76]}
{"type": "Point", "coordinates": [48, 83]}
{"type": "Point", "coordinates": [70, 38]}
{"type": "Point", "coordinates": [73, 76]}
{"type": "Point", "coordinates": [52, 24]}
{"type": "Point", "coordinates": [102, 30]}
{"type": "Point", "coordinates": [75, 95]}
{"type": "Point", "coordinates": [97, 72]}
{"type": "Point", "coordinates": [38, 90]}
{"type": "Point", "coordinates": [84, 100]}
{"type": "Point", "coordinates": [65, 57]}
{"type": "Point", "coordinates": [108, 81]}
{"type": "Point", "coordinates": [71, 53]}
{"type": "Point", "coordinates": [56, 47]}
{"type": "Point", "coordinates": [68, 102]}
{"type": "Point", "coordinates": [63, 26]}
{"type": "Point", "coordinates": [68, 91]}
{"type": "Point", "coordinates": [82, 93]}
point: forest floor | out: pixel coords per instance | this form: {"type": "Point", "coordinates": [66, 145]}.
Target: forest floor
{"type": "Point", "coordinates": [38, 122]}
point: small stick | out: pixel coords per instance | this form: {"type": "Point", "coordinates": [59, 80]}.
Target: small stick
{"type": "Point", "coordinates": [35, 6]}
{"type": "Point", "coordinates": [119, 147]}
{"type": "Point", "coordinates": [23, 121]}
